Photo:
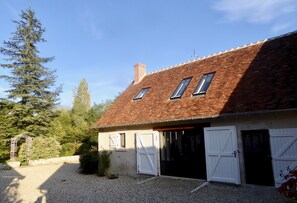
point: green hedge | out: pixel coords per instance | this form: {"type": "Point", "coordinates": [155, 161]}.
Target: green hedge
{"type": "Point", "coordinates": [69, 149]}
{"type": "Point", "coordinates": [42, 148]}
{"type": "Point", "coordinates": [4, 152]}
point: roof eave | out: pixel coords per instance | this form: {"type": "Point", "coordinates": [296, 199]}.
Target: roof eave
{"type": "Point", "coordinates": [224, 115]}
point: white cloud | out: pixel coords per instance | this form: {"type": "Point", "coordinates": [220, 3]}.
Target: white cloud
{"type": "Point", "coordinates": [255, 11]}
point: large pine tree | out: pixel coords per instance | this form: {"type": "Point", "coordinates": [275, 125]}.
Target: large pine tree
{"type": "Point", "coordinates": [32, 90]}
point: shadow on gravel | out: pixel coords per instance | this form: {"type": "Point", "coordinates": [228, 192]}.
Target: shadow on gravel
{"type": "Point", "coordinates": [68, 185]}
{"type": "Point", "coordinates": [60, 183]}
{"type": "Point", "coordinates": [9, 184]}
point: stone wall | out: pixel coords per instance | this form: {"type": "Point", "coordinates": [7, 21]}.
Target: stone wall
{"type": "Point", "coordinates": [15, 164]}
{"type": "Point", "coordinates": [59, 160]}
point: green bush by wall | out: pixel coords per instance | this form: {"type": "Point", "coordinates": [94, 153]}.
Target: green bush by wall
{"type": "Point", "coordinates": [89, 162]}
{"type": "Point", "coordinates": [69, 149]}
{"type": "Point", "coordinates": [104, 163]}
{"type": "Point", "coordinates": [42, 148]}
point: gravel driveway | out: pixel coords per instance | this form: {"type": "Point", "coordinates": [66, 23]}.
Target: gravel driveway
{"type": "Point", "coordinates": [63, 183]}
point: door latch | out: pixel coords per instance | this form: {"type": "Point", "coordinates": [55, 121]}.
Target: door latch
{"type": "Point", "coordinates": [235, 152]}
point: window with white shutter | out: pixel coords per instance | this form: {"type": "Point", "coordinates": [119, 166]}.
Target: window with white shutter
{"type": "Point", "coordinates": [117, 141]}
{"type": "Point", "coordinates": [114, 141]}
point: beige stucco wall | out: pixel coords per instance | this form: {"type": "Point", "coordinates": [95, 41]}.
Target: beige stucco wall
{"type": "Point", "coordinates": [123, 161]}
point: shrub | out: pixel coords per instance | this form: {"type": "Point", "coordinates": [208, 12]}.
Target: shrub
{"type": "Point", "coordinates": [23, 155]}
{"type": "Point", "coordinates": [42, 148]}
{"type": "Point", "coordinates": [89, 162]}
{"type": "Point", "coordinates": [104, 163]}
{"type": "Point", "coordinates": [4, 152]}
{"type": "Point", "coordinates": [69, 149]}
{"type": "Point", "coordinates": [88, 144]}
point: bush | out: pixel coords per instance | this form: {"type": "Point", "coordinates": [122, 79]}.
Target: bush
{"type": "Point", "coordinates": [4, 152]}
{"type": "Point", "coordinates": [23, 155]}
{"type": "Point", "coordinates": [89, 162]}
{"type": "Point", "coordinates": [88, 144]}
{"type": "Point", "coordinates": [104, 163]}
{"type": "Point", "coordinates": [42, 148]}
{"type": "Point", "coordinates": [69, 149]}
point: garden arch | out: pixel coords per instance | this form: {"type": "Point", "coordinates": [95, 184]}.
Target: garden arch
{"type": "Point", "coordinates": [14, 143]}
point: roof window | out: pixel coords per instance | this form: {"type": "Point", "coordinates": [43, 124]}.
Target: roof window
{"type": "Point", "coordinates": [141, 93]}
{"type": "Point", "coordinates": [178, 92]}
{"type": "Point", "coordinates": [203, 84]}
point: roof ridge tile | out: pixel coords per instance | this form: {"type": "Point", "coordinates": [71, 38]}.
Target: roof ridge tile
{"type": "Point", "coordinates": [223, 52]}
{"type": "Point", "coordinates": [209, 56]}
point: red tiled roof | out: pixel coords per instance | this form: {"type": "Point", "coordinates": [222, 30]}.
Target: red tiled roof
{"type": "Point", "coordinates": [258, 77]}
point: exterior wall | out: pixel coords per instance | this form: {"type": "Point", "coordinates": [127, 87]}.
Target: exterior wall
{"type": "Point", "coordinates": [272, 121]}
{"type": "Point", "coordinates": [123, 161]}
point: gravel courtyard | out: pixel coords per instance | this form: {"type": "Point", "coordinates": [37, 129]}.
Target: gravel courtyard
{"type": "Point", "coordinates": [63, 183]}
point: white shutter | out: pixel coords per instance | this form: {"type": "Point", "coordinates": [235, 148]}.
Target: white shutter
{"type": "Point", "coordinates": [283, 144]}
{"type": "Point", "coordinates": [114, 141]}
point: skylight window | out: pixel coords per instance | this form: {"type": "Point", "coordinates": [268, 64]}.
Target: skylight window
{"type": "Point", "coordinates": [141, 93]}
{"type": "Point", "coordinates": [178, 92]}
{"type": "Point", "coordinates": [203, 84]}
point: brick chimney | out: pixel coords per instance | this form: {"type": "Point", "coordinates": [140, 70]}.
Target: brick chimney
{"type": "Point", "coordinates": [139, 72]}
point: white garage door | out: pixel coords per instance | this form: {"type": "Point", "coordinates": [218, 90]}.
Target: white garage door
{"type": "Point", "coordinates": [283, 150]}
{"type": "Point", "coordinates": [222, 161]}
{"type": "Point", "coordinates": [147, 153]}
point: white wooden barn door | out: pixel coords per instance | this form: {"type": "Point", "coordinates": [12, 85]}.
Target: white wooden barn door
{"type": "Point", "coordinates": [221, 151]}
{"type": "Point", "coordinates": [283, 150]}
{"type": "Point", "coordinates": [147, 153]}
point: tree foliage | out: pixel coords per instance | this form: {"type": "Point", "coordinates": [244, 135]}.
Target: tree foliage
{"type": "Point", "coordinates": [30, 105]}
{"type": "Point", "coordinates": [82, 101]}
{"type": "Point", "coordinates": [74, 125]}
{"type": "Point", "coordinates": [68, 127]}
{"type": "Point", "coordinates": [42, 148]}
{"type": "Point", "coordinates": [97, 111]}
{"type": "Point", "coordinates": [32, 93]}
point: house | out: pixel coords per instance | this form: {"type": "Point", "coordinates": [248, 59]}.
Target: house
{"type": "Point", "coordinates": [230, 117]}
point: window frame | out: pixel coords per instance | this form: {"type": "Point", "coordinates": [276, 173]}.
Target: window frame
{"type": "Point", "coordinates": [203, 84]}
{"type": "Point", "coordinates": [117, 141]}
{"type": "Point", "coordinates": [122, 140]}
{"type": "Point", "coordinates": [181, 88]}
{"type": "Point", "coordinates": [141, 93]}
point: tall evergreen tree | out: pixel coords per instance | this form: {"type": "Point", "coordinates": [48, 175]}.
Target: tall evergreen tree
{"type": "Point", "coordinates": [31, 83]}
{"type": "Point", "coordinates": [82, 101]}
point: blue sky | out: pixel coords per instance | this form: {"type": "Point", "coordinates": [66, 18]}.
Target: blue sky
{"type": "Point", "coordinates": [101, 40]}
